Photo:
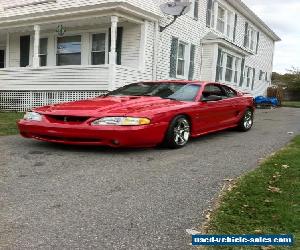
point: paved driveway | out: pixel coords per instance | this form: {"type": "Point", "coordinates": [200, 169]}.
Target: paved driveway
{"type": "Point", "coordinates": [61, 197]}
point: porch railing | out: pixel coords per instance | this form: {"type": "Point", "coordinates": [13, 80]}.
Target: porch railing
{"type": "Point", "coordinates": [55, 78]}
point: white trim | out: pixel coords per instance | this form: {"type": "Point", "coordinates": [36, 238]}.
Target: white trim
{"type": "Point", "coordinates": [51, 58]}
{"type": "Point", "coordinates": [130, 12]}
{"type": "Point", "coordinates": [113, 53]}
{"type": "Point", "coordinates": [59, 67]}
{"type": "Point", "coordinates": [36, 46]}
{"type": "Point", "coordinates": [85, 48]}
{"type": "Point", "coordinates": [143, 45]}
{"type": "Point", "coordinates": [113, 39]}
{"type": "Point", "coordinates": [214, 62]}
{"type": "Point", "coordinates": [227, 44]}
{"type": "Point", "coordinates": [102, 31]}
{"type": "Point", "coordinates": [185, 58]}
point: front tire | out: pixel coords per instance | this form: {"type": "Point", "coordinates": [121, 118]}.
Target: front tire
{"type": "Point", "coordinates": [247, 121]}
{"type": "Point", "coordinates": [178, 133]}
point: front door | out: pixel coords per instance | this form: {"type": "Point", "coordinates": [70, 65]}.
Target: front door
{"type": "Point", "coordinates": [2, 57]}
{"type": "Point", "coordinates": [24, 51]}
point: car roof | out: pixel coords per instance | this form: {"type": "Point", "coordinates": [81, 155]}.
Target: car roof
{"type": "Point", "coordinates": [198, 82]}
{"type": "Point", "coordinates": [175, 81]}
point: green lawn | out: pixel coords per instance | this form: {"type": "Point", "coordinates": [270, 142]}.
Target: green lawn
{"type": "Point", "coordinates": [291, 104]}
{"type": "Point", "coordinates": [8, 123]}
{"type": "Point", "coordinates": [266, 200]}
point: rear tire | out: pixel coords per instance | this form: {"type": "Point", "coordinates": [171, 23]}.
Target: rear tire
{"type": "Point", "coordinates": [178, 133]}
{"type": "Point", "coordinates": [246, 122]}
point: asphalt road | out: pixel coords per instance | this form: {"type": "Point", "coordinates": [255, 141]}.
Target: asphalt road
{"type": "Point", "coordinates": [62, 197]}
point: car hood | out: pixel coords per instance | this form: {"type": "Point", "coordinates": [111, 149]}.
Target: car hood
{"type": "Point", "coordinates": [113, 105]}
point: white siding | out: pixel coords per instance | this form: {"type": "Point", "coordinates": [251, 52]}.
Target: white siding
{"type": "Point", "coordinates": [14, 50]}
{"type": "Point", "coordinates": [131, 45]}
{"type": "Point", "coordinates": [65, 4]}
{"type": "Point", "coordinates": [186, 28]}
{"type": "Point", "coordinates": [208, 69]}
{"type": "Point", "coordinates": [192, 31]}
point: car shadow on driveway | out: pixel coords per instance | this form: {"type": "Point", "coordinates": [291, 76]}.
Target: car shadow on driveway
{"type": "Point", "coordinates": [46, 146]}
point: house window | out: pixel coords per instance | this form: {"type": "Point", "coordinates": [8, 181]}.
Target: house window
{"type": "Point", "coordinates": [229, 68]}
{"type": "Point", "coordinates": [181, 59]}
{"type": "Point", "coordinates": [43, 51]}
{"type": "Point", "coordinates": [98, 48]}
{"type": "Point", "coordinates": [69, 50]}
{"type": "Point", "coordinates": [194, 9]}
{"type": "Point", "coordinates": [251, 38]}
{"type": "Point", "coordinates": [221, 20]}
{"type": "Point", "coordinates": [229, 24]}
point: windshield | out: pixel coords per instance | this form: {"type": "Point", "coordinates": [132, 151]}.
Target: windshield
{"type": "Point", "coordinates": [174, 91]}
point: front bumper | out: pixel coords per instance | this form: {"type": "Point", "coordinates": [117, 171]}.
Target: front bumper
{"type": "Point", "coordinates": [85, 134]}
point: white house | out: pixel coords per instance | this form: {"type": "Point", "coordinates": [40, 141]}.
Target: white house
{"type": "Point", "coordinates": [62, 50]}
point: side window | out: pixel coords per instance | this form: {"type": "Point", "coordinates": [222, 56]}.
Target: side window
{"type": "Point", "coordinates": [229, 92]}
{"type": "Point", "coordinates": [213, 89]}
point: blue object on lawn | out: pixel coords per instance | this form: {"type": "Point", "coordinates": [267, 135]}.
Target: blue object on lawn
{"type": "Point", "coordinates": [266, 100]}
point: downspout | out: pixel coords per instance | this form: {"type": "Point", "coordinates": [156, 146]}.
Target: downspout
{"type": "Point", "coordinates": [156, 47]}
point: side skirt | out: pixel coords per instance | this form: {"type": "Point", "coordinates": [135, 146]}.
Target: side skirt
{"type": "Point", "coordinates": [214, 130]}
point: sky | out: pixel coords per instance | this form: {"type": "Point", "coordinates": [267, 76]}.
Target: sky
{"type": "Point", "coordinates": [283, 16]}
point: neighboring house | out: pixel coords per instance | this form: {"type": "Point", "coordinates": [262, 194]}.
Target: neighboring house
{"type": "Point", "coordinates": [62, 50]}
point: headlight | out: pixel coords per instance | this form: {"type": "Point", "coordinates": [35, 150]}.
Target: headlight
{"type": "Point", "coordinates": [121, 121]}
{"type": "Point", "coordinates": [32, 116]}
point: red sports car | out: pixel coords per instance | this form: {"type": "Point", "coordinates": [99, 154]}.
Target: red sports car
{"type": "Point", "coordinates": [143, 114]}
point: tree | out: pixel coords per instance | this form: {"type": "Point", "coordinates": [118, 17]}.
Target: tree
{"type": "Point", "coordinates": [290, 79]}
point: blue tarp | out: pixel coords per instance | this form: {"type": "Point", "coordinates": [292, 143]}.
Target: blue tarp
{"type": "Point", "coordinates": [266, 100]}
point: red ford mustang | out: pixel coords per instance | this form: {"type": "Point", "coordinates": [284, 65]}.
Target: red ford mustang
{"type": "Point", "coordinates": [143, 114]}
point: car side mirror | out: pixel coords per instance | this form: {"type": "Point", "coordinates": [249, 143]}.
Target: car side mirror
{"type": "Point", "coordinates": [211, 98]}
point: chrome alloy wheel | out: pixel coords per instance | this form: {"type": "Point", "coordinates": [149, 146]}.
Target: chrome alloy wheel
{"type": "Point", "coordinates": [181, 132]}
{"type": "Point", "coordinates": [248, 119]}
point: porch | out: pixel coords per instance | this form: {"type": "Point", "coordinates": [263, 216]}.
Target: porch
{"type": "Point", "coordinates": [86, 54]}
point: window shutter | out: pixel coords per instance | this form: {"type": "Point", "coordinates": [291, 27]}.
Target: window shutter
{"type": "Point", "coordinates": [246, 38]}
{"type": "Point", "coordinates": [219, 63]}
{"type": "Point", "coordinates": [192, 62]}
{"type": "Point", "coordinates": [196, 9]}
{"type": "Point", "coordinates": [234, 28]}
{"type": "Point", "coordinates": [242, 72]}
{"type": "Point", "coordinates": [173, 57]}
{"type": "Point", "coordinates": [257, 43]}
{"type": "Point", "coordinates": [253, 79]}
{"type": "Point", "coordinates": [209, 12]}
{"type": "Point", "coordinates": [118, 44]}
